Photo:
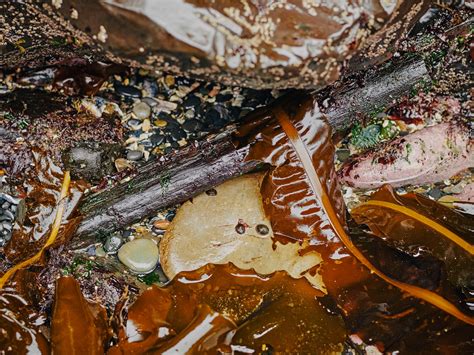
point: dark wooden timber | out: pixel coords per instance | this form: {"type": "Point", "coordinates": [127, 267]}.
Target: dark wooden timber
{"type": "Point", "coordinates": [162, 183]}
{"type": "Point", "coordinates": [377, 90]}
{"type": "Point", "coordinates": [201, 166]}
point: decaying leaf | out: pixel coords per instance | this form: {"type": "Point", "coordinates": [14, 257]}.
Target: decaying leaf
{"type": "Point", "coordinates": [229, 225]}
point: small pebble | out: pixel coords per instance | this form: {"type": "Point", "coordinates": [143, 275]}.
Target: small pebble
{"type": "Point", "coordinates": [150, 101]}
{"type": "Point", "coordinates": [177, 134]}
{"type": "Point", "coordinates": [343, 154]}
{"type": "Point", "coordinates": [133, 123]}
{"type": "Point", "coordinates": [192, 125]}
{"type": "Point", "coordinates": [161, 123]}
{"type": "Point", "coordinates": [122, 164]}
{"type": "Point", "coordinates": [436, 193]}
{"type": "Point", "coordinates": [170, 215]}
{"type": "Point", "coordinates": [140, 255]}
{"type": "Point", "coordinates": [127, 91]}
{"type": "Point", "coordinates": [191, 101]}
{"type": "Point", "coordinates": [161, 224]}
{"type": "Point", "coordinates": [157, 139]}
{"type": "Point", "coordinates": [100, 252]}
{"type": "Point", "coordinates": [141, 110]}
{"type": "Point", "coordinates": [134, 155]}
{"type": "Point", "coordinates": [189, 113]}
{"type": "Point", "coordinates": [113, 243]}
{"type": "Point", "coordinates": [146, 126]}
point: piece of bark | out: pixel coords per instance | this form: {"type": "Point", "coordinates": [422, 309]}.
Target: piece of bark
{"type": "Point", "coordinates": [206, 164]}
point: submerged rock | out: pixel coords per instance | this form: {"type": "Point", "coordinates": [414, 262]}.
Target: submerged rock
{"type": "Point", "coordinates": [91, 161]}
{"type": "Point", "coordinates": [430, 155]}
{"type": "Point", "coordinates": [229, 225]}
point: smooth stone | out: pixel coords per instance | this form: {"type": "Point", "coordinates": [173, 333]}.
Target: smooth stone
{"type": "Point", "coordinates": [127, 91]}
{"type": "Point", "coordinates": [113, 243]}
{"type": "Point", "coordinates": [192, 125]}
{"type": "Point", "coordinates": [343, 154]}
{"type": "Point", "coordinates": [191, 101]}
{"type": "Point", "coordinates": [223, 97]}
{"type": "Point", "coordinates": [436, 193]}
{"type": "Point", "coordinates": [134, 155]}
{"type": "Point", "coordinates": [100, 252]}
{"type": "Point", "coordinates": [212, 115]}
{"type": "Point", "coordinates": [157, 139]}
{"type": "Point", "coordinates": [189, 113]}
{"type": "Point", "coordinates": [139, 255]}
{"type": "Point", "coordinates": [161, 224]}
{"type": "Point", "coordinates": [133, 123]}
{"type": "Point", "coordinates": [150, 101]}
{"type": "Point", "coordinates": [161, 123]}
{"type": "Point", "coordinates": [142, 110]}
{"type": "Point", "coordinates": [177, 133]}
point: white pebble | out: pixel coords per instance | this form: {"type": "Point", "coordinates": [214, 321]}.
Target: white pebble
{"type": "Point", "coordinates": [142, 110]}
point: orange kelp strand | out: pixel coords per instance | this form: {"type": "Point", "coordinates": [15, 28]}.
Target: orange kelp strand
{"type": "Point", "coordinates": [427, 221]}
{"type": "Point", "coordinates": [52, 237]}
{"type": "Point", "coordinates": [322, 196]}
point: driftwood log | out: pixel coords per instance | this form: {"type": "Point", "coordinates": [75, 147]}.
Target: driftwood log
{"type": "Point", "coordinates": [205, 164]}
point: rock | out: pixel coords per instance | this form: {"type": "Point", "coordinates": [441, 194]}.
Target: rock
{"type": "Point", "coordinates": [142, 110]}
{"type": "Point", "coordinates": [204, 231]}
{"type": "Point", "coordinates": [113, 243]}
{"type": "Point", "coordinates": [157, 139]}
{"type": "Point", "coordinates": [121, 164]}
{"type": "Point", "coordinates": [127, 91]}
{"type": "Point", "coordinates": [161, 224]}
{"type": "Point", "coordinates": [146, 126]}
{"type": "Point", "coordinates": [177, 133]}
{"type": "Point", "coordinates": [91, 161]}
{"type": "Point", "coordinates": [134, 155]}
{"type": "Point", "coordinates": [192, 125]}
{"type": "Point", "coordinates": [139, 255]}
{"type": "Point", "coordinates": [191, 102]}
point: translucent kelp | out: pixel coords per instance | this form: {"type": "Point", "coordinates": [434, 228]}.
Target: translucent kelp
{"type": "Point", "coordinates": [422, 228]}
{"type": "Point", "coordinates": [223, 308]}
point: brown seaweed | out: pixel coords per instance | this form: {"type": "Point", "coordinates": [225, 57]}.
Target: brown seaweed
{"type": "Point", "coordinates": [420, 227]}
{"type": "Point", "coordinates": [42, 195]}
{"type": "Point", "coordinates": [77, 326]}
{"type": "Point", "coordinates": [244, 310]}
{"type": "Point", "coordinates": [349, 274]}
